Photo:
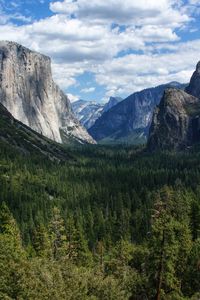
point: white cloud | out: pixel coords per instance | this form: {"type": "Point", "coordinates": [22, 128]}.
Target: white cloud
{"type": "Point", "coordinates": [123, 11]}
{"type": "Point", "coordinates": [135, 72]}
{"type": "Point", "coordinates": [73, 98]}
{"type": "Point", "coordinates": [88, 90]}
{"type": "Point", "coordinates": [88, 41]}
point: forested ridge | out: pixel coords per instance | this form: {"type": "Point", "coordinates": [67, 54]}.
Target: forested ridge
{"type": "Point", "coordinates": [109, 223]}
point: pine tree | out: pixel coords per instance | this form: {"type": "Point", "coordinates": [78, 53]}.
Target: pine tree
{"type": "Point", "coordinates": [12, 257]}
{"type": "Point", "coordinates": [41, 241]}
{"type": "Point", "coordinates": [57, 235]}
{"type": "Point", "coordinates": [169, 245]}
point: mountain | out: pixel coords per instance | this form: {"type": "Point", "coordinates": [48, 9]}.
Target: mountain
{"type": "Point", "coordinates": [129, 120]}
{"type": "Point", "coordinates": [176, 121]}
{"type": "Point", "coordinates": [23, 139]}
{"type": "Point", "coordinates": [88, 112]}
{"type": "Point", "coordinates": [194, 85]}
{"type": "Point", "coordinates": [29, 93]}
{"type": "Point", "coordinates": [112, 102]}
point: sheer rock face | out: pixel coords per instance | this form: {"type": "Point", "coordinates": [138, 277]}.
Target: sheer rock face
{"type": "Point", "coordinates": [176, 122]}
{"type": "Point", "coordinates": [28, 91]}
{"type": "Point", "coordinates": [194, 85]}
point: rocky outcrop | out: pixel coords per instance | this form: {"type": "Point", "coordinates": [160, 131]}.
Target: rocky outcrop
{"type": "Point", "coordinates": [194, 85]}
{"type": "Point", "coordinates": [176, 122]}
{"type": "Point", "coordinates": [28, 91]}
{"type": "Point", "coordinates": [129, 120]}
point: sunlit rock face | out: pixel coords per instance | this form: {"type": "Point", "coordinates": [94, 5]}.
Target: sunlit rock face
{"type": "Point", "coordinates": [28, 91]}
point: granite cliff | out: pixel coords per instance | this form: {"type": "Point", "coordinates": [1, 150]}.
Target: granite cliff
{"type": "Point", "coordinates": [176, 122]}
{"type": "Point", "coordinates": [29, 93]}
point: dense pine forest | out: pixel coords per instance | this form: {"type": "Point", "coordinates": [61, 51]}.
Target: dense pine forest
{"type": "Point", "coordinates": [108, 223]}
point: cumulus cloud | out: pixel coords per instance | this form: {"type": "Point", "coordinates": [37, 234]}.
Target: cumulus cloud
{"type": "Point", "coordinates": [127, 44]}
{"type": "Point", "coordinates": [123, 11]}
{"type": "Point", "coordinates": [88, 90]}
{"type": "Point", "coordinates": [135, 72]}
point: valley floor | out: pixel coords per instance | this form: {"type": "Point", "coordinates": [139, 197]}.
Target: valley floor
{"type": "Point", "coordinates": [107, 223]}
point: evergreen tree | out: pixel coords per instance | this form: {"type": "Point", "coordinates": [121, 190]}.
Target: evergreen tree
{"type": "Point", "coordinates": [57, 235]}
{"type": "Point", "coordinates": [169, 239]}
{"type": "Point", "coordinates": [12, 257]}
{"type": "Point", "coordinates": [41, 241]}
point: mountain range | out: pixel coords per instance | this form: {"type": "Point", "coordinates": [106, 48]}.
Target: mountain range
{"type": "Point", "coordinates": [40, 115]}
{"type": "Point", "coordinates": [129, 120]}
{"type": "Point", "coordinates": [88, 112]}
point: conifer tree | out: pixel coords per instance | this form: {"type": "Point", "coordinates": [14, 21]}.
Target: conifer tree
{"type": "Point", "coordinates": [12, 257]}
{"type": "Point", "coordinates": [169, 239]}
{"type": "Point", "coordinates": [57, 235]}
{"type": "Point", "coordinates": [41, 242]}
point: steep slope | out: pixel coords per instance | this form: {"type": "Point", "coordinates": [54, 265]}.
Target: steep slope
{"type": "Point", "coordinates": [23, 139]}
{"type": "Point", "coordinates": [28, 91]}
{"type": "Point", "coordinates": [129, 120]}
{"type": "Point", "coordinates": [87, 112]}
{"type": "Point", "coordinates": [176, 122]}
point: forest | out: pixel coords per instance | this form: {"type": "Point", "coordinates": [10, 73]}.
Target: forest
{"type": "Point", "coordinates": [108, 223]}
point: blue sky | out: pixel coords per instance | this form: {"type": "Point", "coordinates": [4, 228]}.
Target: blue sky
{"type": "Point", "coordinates": [102, 48]}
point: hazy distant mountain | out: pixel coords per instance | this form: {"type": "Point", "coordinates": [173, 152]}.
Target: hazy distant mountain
{"type": "Point", "coordinates": [88, 112]}
{"type": "Point", "coordinates": [129, 120]}
{"type": "Point", "coordinates": [29, 93]}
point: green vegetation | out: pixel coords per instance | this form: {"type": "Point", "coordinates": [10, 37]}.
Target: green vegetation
{"type": "Point", "coordinates": [137, 137]}
{"type": "Point", "coordinates": [109, 223]}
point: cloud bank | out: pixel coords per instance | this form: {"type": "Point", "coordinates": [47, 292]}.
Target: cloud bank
{"type": "Point", "coordinates": [127, 44]}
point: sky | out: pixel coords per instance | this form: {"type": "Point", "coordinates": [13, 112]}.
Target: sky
{"type": "Point", "coordinates": [103, 48]}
